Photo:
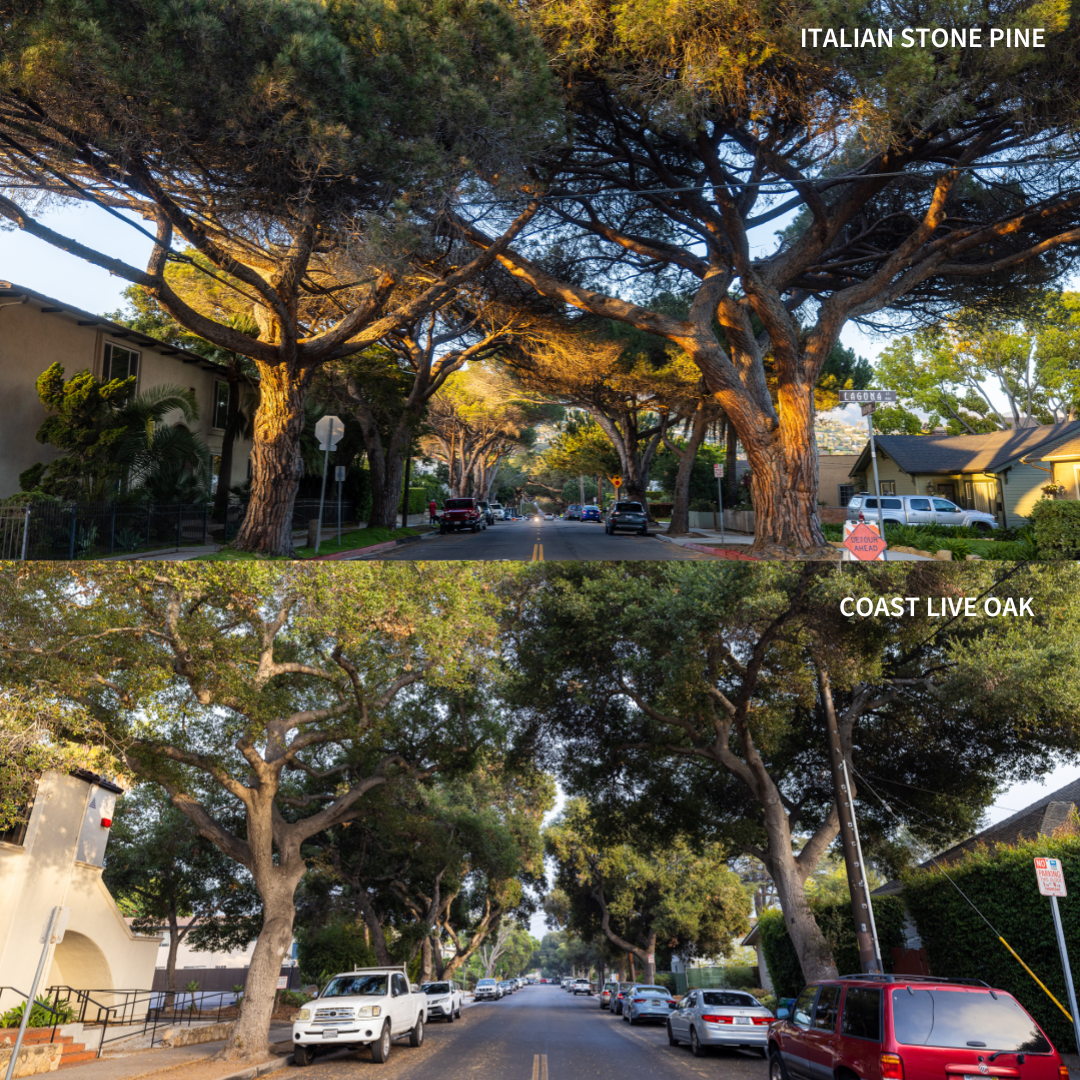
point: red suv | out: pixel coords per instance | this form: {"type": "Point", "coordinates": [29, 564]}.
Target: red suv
{"type": "Point", "coordinates": [900, 1027]}
{"type": "Point", "coordinates": [461, 514]}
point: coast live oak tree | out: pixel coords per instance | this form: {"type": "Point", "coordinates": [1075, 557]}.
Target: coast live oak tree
{"type": "Point", "coordinates": [297, 146]}
{"type": "Point", "coordinates": [699, 695]}
{"type": "Point", "coordinates": [256, 681]}
{"type": "Point", "coordinates": [906, 181]}
{"type": "Point", "coordinates": [640, 896]}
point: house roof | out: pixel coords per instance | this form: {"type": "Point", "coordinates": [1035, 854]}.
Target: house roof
{"type": "Point", "coordinates": [49, 306]}
{"type": "Point", "coordinates": [1041, 818]}
{"type": "Point", "coordinates": [928, 455]}
{"type": "Point", "coordinates": [1070, 448]}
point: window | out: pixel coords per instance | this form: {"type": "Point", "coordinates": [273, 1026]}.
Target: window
{"type": "Point", "coordinates": [16, 835]}
{"type": "Point", "coordinates": [862, 1014]}
{"type": "Point", "coordinates": [400, 986]}
{"type": "Point", "coordinates": [827, 1007]}
{"type": "Point", "coordinates": [965, 1018]}
{"type": "Point", "coordinates": [221, 404]}
{"type": "Point", "coordinates": [846, 492]}
{"type": "Point", "coordinates": [920, 504]}
{"type": "Point", "coordinates": [800, 1013]}
{"type": "Point", "coordinates": [943, 506]}
{"type": "Point", "coordinates": [729, 999]}
{"type": "Point", "coordinates": [119, 363]}
{"type": "Point", "coordinates": [891, 504]}
{"type": "Point", "coordinates": [888, 487]}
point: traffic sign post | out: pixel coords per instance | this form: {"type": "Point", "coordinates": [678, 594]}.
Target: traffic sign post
{"type": "Point", "coordinates": [339, 476]}
{"type": "Point", "coordinates": [863, 541]}
{"type": "Point", "coordinates": [328, 431]}
{"type": "Point", "coordinates": [718, 472]}
{"type": "Point", "coordinates": [1050, 875]}
{"type": "Point", "coordinates": [869, 400]}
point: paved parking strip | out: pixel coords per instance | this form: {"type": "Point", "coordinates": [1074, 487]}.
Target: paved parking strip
{"type": "Point", "coordinates": [543, 541]}
{"type": "Point", "coordinates": [542, 1033]}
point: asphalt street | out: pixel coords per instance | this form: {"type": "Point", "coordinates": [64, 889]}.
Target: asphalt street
{"type": "Point", "coordinates": [539, 541]}
{"type": "Point", "coordinates": [541, 1033]}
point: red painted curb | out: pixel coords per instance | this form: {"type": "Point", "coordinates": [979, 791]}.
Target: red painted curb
{"type": "Point", "coordinates": [724, 553]}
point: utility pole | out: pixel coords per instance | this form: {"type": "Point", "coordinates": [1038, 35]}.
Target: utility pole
{"type": "Point", "coordinates": [861, 909]}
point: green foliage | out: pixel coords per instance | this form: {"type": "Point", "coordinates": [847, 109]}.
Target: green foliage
{"type": "Point", "coordinates": [1005, 545]}
{"type": "Point", "coordinates": [43, 1014]}
{"type": "Point", "coordinates": [336, 947]}
{"type": "Point", "coordinates": [1001, 884]}
{"type": "Point", "coordinates": [418, 500]}
{"type": "Point", "coordinates": [293, 998]}
{"type": "Point", "coordinates": [836, 924]}
{"type": "Point", "coordinates": [1056, 528]}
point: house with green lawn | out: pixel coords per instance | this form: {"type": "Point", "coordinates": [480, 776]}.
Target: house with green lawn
{"type": "Point", "coordinates": [1000, 472]}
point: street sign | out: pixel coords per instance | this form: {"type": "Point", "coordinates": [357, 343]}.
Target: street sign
{"type": "Point", "coordinates": [616, 482]}
{"type": "Point", "coordinates": [718, 470]}
{"type": "Point", "coordinates": [329, 431]}
{"type": "Point", "coordinates": [339, 473]}
{"type": "Point", "coordinates": [283, 982]}
{"type": "Point", "coordinates": [868, 408]}
{"type": "Point", "coordinates": [857, 397]}
{"type": "Point", "coordinates": [863, 541]}
{"type": "Point", "coordinates": [1051, 876]}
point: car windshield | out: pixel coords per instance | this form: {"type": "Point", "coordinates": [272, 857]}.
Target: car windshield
{"type": "Point", "coordinates": [459, 504]}
{"type": "Point", "coordinates": [742, 1001]}
{"type": "Point", "coordinates": [436, 988]}
{"type": "Point", "coordinates": [965, 1019]}
{"type": "Point", "coordinates": [356, 986]}
{"type": "Point", "coordinates": [631, 508]}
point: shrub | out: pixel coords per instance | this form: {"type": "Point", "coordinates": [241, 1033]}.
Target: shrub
{"type": "Point", "coordinates": [705, 506]}
{"type": "Point", "coordinates": [1001, 884]}
{"type": "Point", "coordinates": [1056, 528]}
{"type": "Point", "coordinates": [40, 1015]}
{"type": "Point", "coordinates": [336, 947]}
{"type": "Point", "coordinates": [293, 998]}
{"type": "Point", "coordinates": [836, 924]}
{"type": "Point", "coordinates": [666, 980]}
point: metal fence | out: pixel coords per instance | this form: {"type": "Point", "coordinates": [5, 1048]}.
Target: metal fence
{"type": "Point", "coordinates": [54, 530]}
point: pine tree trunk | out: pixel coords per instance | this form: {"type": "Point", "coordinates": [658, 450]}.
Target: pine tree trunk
{"type": "Point", "coordinates": [275, 461]}
{"type": "Point", "coordinates": [680, 511]}
{"type": "Point", "coordinates": [731, 466]}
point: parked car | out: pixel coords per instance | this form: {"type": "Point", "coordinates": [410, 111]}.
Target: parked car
{"type": "Point", "coordinates": [549, 517]}
{"type": "Point", "coordinates": [902, 1027]}
{"type": "Point", "coordinates": [461, 514]}
{"type": "Point", "coordinates": [536, 516]}
{"type": "Point", "coordinates": [645, 1002]}
{"type": "Point", "coordinates": [916, 510]}
{"type": "Point", "coordinates": [609, 991]}
{"type": "Point", "coordinates": [573, 512]}
{"type": "Point", "coordinates": [591, 513]}
{"type": "Point", "coordinates": [485, 508]}
{"type": "Point", "coordinates": [705, 1018]}
{"type": "Point", "coordinates": [444, 1000]}
{"type": "Point", "coordinates": [627, 515]}
{"type": "Point", "coordinates": [369, 1007]}
{"type": "Point", "coordinates": [487, 990]}
{"type": "Point", "coordinates": [581, 986]}
{"type": "Point", "coordinates": [496, 512]}
{"type": "Point", "coordinates": [508, 513]}
{"type": "Point", "coordinates": [618, 999]}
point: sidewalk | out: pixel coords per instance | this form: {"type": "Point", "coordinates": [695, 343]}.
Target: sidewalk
{"type": "Point", "coordinates": [709, 541]}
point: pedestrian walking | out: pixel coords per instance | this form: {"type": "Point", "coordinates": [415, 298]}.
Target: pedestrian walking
{"type": "Point", "coordinates": [433, 512]}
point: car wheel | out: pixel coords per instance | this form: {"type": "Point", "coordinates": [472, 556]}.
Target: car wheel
{"type": "Point", "coordinates": [633, 1020]}
{"type": "Point", "coordinates": [301, 1055]}
{"type": "Point", "coordinates": [695, 1044]}
{"type": "Point", "coordinates": [763, 1051]}
{"type": "Point", "coordinates": [671, 1040]}
{"type": "Point", "coordinates": [459, 1012]}
{"type": "Point", "coordinates": [644, 531]}
{"type": "Point", "coordinates": [450, 1015]}
{"type": "Point", "coordinates": [982, 526]}
{"type": "Point", "coordinates": [380, 1050]}
{"type": "Point", "coordinates": [442, 530]}
{"type": "Point", "coordinates": [777, 1068]}
{"type": "Point", "coordinates": [416, 1036]}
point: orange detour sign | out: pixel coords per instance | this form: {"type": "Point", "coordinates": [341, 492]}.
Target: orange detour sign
{"type": "Point", "coordinates": [616, 482]}
{"type": "Point", "coordinates": [863, 541]}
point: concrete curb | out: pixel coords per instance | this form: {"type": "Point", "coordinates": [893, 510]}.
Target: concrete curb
{"type": "Point", "coordinates": [363, 552]}
{"type": "Point", "coordinates": [715, 550]}
{"type": "Point", "coordinates": [259, 1070]}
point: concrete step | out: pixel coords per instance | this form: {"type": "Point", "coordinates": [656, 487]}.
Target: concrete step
{"type": "Point", "coordinates": [80, 1058]}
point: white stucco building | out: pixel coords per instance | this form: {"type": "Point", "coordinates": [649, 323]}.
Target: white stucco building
{"type": "Point", "coordinates": [55, 859]}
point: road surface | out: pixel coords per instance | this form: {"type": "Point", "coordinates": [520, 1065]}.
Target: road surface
{"type": "Point", "coordinates": [540, 541]}
{"type": "Point", "coordinates": [540, 1033]}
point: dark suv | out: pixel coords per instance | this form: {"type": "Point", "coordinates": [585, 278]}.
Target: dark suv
{"type": "Point", "coordinates": [627, 515]}
{"type": "Point", "coordinates": [902, 1027]}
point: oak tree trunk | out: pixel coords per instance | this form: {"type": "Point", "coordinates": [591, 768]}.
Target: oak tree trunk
{"type": "Point", "coordinates": [375, 929]}
{"type": "Point", "coordinates": [276, 466]}
{"type": "Point", "coordinates": [170, 963]}
{"type": "Point", "coordinates": [680, 511]}
{"type": "Point", "coordinates": [426, 961]}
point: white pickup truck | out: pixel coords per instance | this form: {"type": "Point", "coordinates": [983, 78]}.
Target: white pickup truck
{"type": "Point", "coordinates": [371, 1007]}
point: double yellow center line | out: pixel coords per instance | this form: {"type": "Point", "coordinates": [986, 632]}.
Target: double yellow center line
{"type": "Point", "coordinates": [538, 556]}
{"type": "Point", "coordinates": [540, 1071]}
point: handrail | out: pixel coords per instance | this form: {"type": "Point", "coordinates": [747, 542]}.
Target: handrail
{"type": "Point", "coordinates": [55, 1012]}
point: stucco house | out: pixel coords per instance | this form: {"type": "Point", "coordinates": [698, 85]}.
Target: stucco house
{"type": "Point", "coordinates": [1000, 472]}
{"type": "Point", "coordinates": [55, 859]}
{"type": "Point", "coordinates": [37, 331]}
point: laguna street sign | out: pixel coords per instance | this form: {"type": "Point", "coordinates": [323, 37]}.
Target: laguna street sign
{"type": "Point", "coordinates": [1051, 877]}
{"type": "Point", "coordinates": [857, 397]}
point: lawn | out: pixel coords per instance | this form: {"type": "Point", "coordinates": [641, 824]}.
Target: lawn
{"type": "Point", "coordinates": [350, 541]}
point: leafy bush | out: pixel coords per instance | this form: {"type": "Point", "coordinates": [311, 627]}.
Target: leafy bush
{"type": "Point", "coordinates": [40, 1014]}
{"type": "Point", "coordinates": [1002, 885]}
{"type": "Point", "coordinates": [766, 997]}
{"type": "Point", "coordinates": [835, 922]}
{"type": "Point", "coordinates": [705, 506]}
{"type": "Point", "coordinates": [1056, 528]}
{"type": "Point", "coordinates": [666, 980]}
{"type": "Point", "coordinates": [336, 947]}
{"type": "Point", "coordinates": [293, 998]}
{"type": "Point", "coordinates": [418, 500]}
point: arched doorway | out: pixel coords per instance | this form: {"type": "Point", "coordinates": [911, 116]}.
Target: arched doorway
{"type": "Point", "coordinates": [79, 963]}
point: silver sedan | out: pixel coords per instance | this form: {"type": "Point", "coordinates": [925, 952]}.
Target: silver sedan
{"type": "Point", "coordinates": [647, 1003]}
{"type": "Point", "coordinates": [705, 1018]}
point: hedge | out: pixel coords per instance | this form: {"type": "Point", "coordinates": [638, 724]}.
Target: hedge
{"type": "Point", "coordinates": [418, 501]}
{"type": "Point", "coordinates": [336, 947]}
{"type": "Point", "coordinates": [835, 922]}
{"type": "Point", "coordinates": [1056, 527]}
{"type": "Point", "coordinates": [1002, 885]}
